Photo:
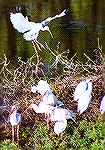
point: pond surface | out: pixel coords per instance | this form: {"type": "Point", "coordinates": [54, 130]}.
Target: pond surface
{"type": "Point", "coordinates": [77, 31]}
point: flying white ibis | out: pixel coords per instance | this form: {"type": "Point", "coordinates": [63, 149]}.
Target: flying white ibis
{"type": "Point", "coordinates": [29, 29]}
{"type": "Point", "coordinates": [85, 98]}
{"type": "Point", "coordinates": [102, 106]}
{"type": "Point", "coordinates": [60, 117]}
{"type": "Point", "coordinates": [81, 88]}
{"type": "Point", "coordinates": [47, 96]}
{"type": "Point", "coordinates": [15, 119]}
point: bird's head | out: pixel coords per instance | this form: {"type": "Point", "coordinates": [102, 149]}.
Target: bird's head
{"type": "Point", "coordinates": [33, 89]}
{"type": "Point", "coordinates": [46, 28]}
{"type": "Point", "coordinates": [13, 109]}
{"type": "Point", "coordinates": [102, 112]}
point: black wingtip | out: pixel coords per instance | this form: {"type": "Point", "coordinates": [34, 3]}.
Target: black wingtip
{"type": "Point", "coordinates": [20, 9]}
{"type": "Point", "coordinates": [17, 9]}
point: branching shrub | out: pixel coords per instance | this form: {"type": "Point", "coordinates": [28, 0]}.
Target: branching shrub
{"type": "Point", "coordinates": [88, 133]}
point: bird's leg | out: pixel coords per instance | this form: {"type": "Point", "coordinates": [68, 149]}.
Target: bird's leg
{"type": "Point", "coordinates": [18, 134]}
{"type": "Point", "coordinates": [48, 121]}
{"type": "Point", "coordinates": [37, 42]}
{"type": "Point", "coordinates": [50, 32]}
{"type": "Point", "coordinates": [37, 45]}
{"type": "Point", "coordinates": [12, 134]}
{"type": "Point", "coordinates": [68, 117]}
{"type": "Point", "coordinates": [73, 120]}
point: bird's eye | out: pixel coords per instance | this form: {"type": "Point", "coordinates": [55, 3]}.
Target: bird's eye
{"type": "Point", "coordinates": [31, 35]}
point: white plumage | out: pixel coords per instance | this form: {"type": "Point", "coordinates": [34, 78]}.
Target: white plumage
{"type": "Point", "coordinates": [20, 23]}
{"type": "Point", "coordinates": [42, 87]}
{"type": "Point", "coordinates": [41, 108]}
{"type": "Point", "coordinates": [85, 98]}
{"type": "Point", "coordinates": [81, 88]}
{"type": "Point", "coordinates": [60, 126]}
{"type": "Point", "coordinates": [84, 101]}
{"type": "Point", "coordinates": [29, 29]}
{"type": "Point", "coordinates": [102, 106]}
{"type": "Point", "coordinates": [60, 117]}
{"type": "Point", "coordinates": [47, 96]}
{"type": "Point", "coordinates": [15, 119]}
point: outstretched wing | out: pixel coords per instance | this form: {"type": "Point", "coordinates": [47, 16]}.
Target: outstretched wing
{"type": "Point", "coordinates": [20, 23]}
{"type": "Point", "coordinates": [49, 19]}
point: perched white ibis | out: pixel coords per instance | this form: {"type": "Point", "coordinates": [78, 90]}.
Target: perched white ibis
{"type": "Point", "coordinates": [47, 96]}
{"type": "Point", "coordinates": [85, 98]}
{"type": "Point", "coordinates": [81, 88]}
{"type": "Point", "coordinates": [29, 29]}
{"type": "Point", "coordinates": [60, 117]}
{"type": "Point", "coordinates": [102, 106]}
{"type": "Point", "coordinates": [41, 108]}
{"type": "Point", "coordinates": [15, 119]}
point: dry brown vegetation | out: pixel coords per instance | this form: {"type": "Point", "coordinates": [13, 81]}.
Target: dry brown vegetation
{"type": "Point", "coordinates": [17, 83]}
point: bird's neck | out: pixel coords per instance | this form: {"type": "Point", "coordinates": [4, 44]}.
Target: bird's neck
{"type": "Point", "coordinates": [14, 112]}
{"type": "Point", "coordinates": [45, 94]}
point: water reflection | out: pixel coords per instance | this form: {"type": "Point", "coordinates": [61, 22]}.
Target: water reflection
{"type": "Point", "coordinates": [78, 31]}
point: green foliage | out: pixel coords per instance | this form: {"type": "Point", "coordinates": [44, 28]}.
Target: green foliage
{"type": "Point", "coordinates": [42, 138]}
{"type": "Point", "coordinates": [87, 135]}
{"type": "Point", "coordinates": [7, 145]}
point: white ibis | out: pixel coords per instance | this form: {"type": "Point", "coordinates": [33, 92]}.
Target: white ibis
{"type": "Point", "coordinates": [102, 106]}
{"type": "Point", "coordinates": [41, 108]}
{"type": "Point", "coordinates": [47, 96]}
{"type": "Point", "coordinates": [15, 119]}
{"type": "Point", "coordinates": [85, 98]}
{"type": "Point", "coordinates": [60, 117]}
{"type": "Point", "coordinates": [29, 29]}
{"type": "Point", "coordinates": [81, 88]}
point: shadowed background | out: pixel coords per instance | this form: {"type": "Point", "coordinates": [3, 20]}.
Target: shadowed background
{"type": "Point", "coordinates": [78, 31]}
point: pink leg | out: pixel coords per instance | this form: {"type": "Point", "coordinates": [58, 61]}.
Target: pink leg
{"type": "Point", "coordinates": [18, 134]}
{"type": "Point", "coordinates": [48, 121]}
{"type": "Point", "coordinates": [12, 134]}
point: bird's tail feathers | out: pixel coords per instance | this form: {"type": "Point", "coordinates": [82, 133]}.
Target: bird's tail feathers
{"type": "Point", "coordinates": [72, 114]}
{"type": "Point", "coordinates": [62, 13]}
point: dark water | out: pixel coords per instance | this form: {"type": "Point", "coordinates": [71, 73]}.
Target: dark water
{"type": "Point", "coordinates": [78, 31]}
